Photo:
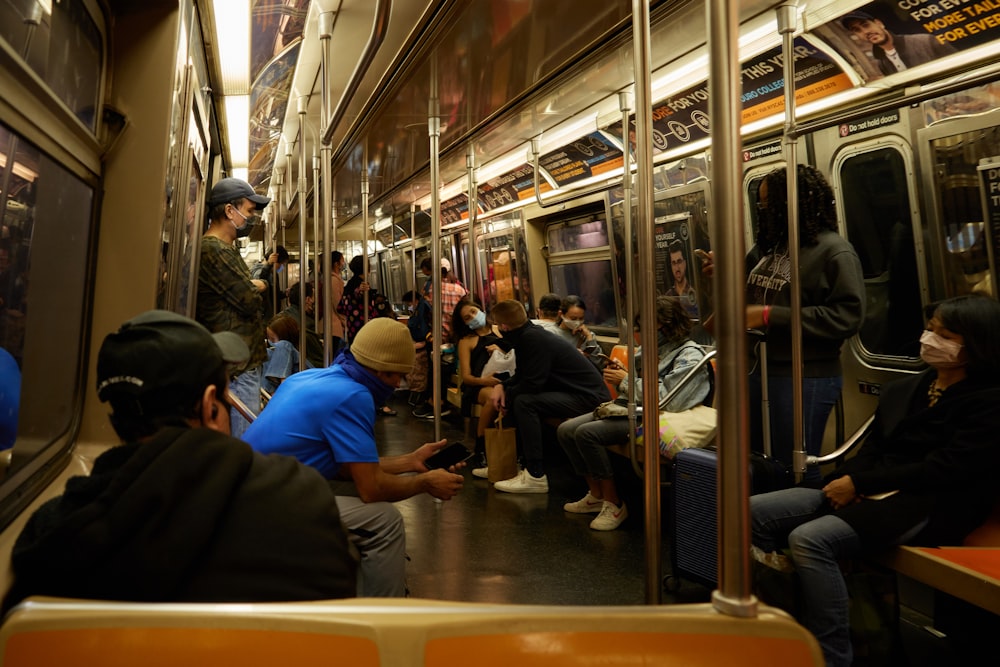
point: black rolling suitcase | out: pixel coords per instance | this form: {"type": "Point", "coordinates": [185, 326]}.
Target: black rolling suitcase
{"type": "Point", "coordinates": [693, 512]}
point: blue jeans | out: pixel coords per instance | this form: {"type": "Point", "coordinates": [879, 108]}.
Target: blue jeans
{"type": "Point", "coordinates": [246, 387]}
{"type": "Point", "coordinates": [585, 440]}
{"type": "Point", "coordinates": [817, 541]}
{"type": "Point", "coordinates": [819, 395]}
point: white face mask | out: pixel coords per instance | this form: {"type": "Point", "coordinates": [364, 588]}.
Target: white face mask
{"type": "Point", "coordinates": [940, 352]}
{"type": "Point", "coordinates": [572, 325]}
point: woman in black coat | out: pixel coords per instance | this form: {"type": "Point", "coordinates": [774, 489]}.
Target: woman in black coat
{"type": "Point", "coordinates": [926, 474]}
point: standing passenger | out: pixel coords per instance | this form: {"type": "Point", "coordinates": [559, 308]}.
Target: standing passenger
{"type": "Point", "coordinates": [552, 380]}
{"type": "Point", "coordinates": [325, 417]}
{"type": "Point", "coordinates": [180, 511]}
{"type": "Point", "coordinates": [228, 299]}
{"type": "Point", "coordinates": [833, 307]}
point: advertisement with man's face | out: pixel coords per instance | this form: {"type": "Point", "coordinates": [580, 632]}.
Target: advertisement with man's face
{"type": "Point", "coordinates": [884, 38]}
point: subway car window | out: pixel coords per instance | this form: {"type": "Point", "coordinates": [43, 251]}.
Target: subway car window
{"type": "Point", "coordinates": [578, 236]}
{"type": "Point", "coordinates": [963, 233]}
{"type": "Point", "coordinates": [876, 209]}
{"type": "Point", "coordinates": [61, 43]}
{"type": "Point", "coordinates": [46, 225]}
{"type": "Point", "coordinates": [591, 281]}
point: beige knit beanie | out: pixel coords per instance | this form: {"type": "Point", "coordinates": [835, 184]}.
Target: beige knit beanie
{"type": "Point", "coordinates": [383, 344]}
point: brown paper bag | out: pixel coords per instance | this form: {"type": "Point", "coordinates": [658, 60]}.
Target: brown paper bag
{"type": "Point", "coordinates": [501, 452]}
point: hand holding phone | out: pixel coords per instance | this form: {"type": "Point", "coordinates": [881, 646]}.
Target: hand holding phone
{"type": "Point", "coordinates": [451, 455]}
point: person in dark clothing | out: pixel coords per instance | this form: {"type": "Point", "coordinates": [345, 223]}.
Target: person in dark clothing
{"type": "Point", "coordinates": [926, 474]}
{"type": "Point", "coordinates": [181, 511]}
{"type": "Point", "coordinates": [314, 346]}
{"type": "Point", "coordinates": [553, 380]}
{"type": "Point", "coordinates": [268, 270]}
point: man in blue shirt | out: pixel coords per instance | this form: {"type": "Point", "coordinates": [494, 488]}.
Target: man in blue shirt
{"type": "Point", "coordinates": [325, 417]}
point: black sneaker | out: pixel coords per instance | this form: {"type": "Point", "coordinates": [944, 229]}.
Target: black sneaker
{"type": "Point", "coordinates": [424, 412]}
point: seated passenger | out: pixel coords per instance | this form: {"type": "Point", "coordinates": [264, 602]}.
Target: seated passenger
{"type": "Point", "coordinates": [585, 438]}
{"type": "Point", "coordinates": [926, 474]}
{"type": "Point", "coordinates": [314, 346]}
{"type": "Point", "coordinates": [419, 325]}
{"type": "Point", "coordinates": [548, 313]}
{"type": "Point", "coordinates": [571, 327]}
{"type": "Point", "coordinates": [180, 511]}
{"type": "Point", "coordinates": [325, 417]}
{"type": "Point", "coordinates": [282, 352]}
{"type": "Point", "coordinates": [552, 380]}
{"type": "Point", "coordinates": [476, 343]}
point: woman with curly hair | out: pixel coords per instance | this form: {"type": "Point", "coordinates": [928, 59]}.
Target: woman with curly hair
{"type": "Point", "coordinates": [832, 299]}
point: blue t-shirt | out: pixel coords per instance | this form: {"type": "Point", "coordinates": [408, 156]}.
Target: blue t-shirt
{"type": "Point", "coordinates": [10, 398]}
{"type": "Point", "coordinates": [320, 416]}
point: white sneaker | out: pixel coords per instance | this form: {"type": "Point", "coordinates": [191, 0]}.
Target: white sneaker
{"type": "Point", "coordinates": [524, 483]}
{"type": "Point", "coordinates": [586, 505]}
{"type": "Point", "coordinates": [481, 473]}
{"type": "Point", "coordinates": [610, 517]}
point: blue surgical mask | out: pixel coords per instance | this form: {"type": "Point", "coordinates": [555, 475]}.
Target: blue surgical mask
{"type": "Point", "coordinates": [478, 322]}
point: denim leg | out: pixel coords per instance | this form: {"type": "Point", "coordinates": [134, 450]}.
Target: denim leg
{"type": "Point", "coordinates": [816, 547]}
{"type": "Point", "coordinates": [774, 515]}
{"type": "Point", "coordinates": [377, 530]}
{"type": "Point", "coordinates": [819, 395]}
{"type": "Point", "coordinates": [594, 438]}
{"type": "Point", "coordinates": [566, 435]}
{"type": "Point", "coordinates": [246, 387]}
{"type": "Point", "coordinates": [530, 409]}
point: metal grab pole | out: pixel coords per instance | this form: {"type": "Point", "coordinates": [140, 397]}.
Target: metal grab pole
{"type": "Point", "coordinates": [364, 227]}
{"type": "Point", "coordinates": [786, 26]}
{"type": "Point", "coordinates": [318, 269]}
{"type": "Point", "coordinates": [650, 393]}
{"type": "Point", "coordinates": [625, 105]}
{"type": "Point", "coordinates": [434, 135]}
{"type": "Point", "coordinates": [733, 596]}
{"type": "Point", "coordinates": [303, 105]}
{"type": "Point", "coordinates": [470, 165]}
{"type": "Point", "coordinates": [325, 33]}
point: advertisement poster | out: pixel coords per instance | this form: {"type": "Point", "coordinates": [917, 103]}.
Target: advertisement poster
{"type": "Point", "coordinates": [590, 155]}
{"type": "Point", "coordinates": [509, 188]}
{"type": "Point", "coordinates": [883, 38]}
{"type": "Point", "coordinates": [673, 269]}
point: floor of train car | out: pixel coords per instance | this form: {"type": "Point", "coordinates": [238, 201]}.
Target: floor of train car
{"type": "Point", "coordinates": [489, 546]}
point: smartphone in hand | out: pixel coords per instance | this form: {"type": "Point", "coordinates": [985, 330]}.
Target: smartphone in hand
{"type": "Point", "coordinates": [449, 456]}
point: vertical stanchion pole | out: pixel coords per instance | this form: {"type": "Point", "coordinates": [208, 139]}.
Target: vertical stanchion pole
{"type": "Point", "coordinates": [326, 152]}
{"type": "Point", "coordinates": [434, 135]}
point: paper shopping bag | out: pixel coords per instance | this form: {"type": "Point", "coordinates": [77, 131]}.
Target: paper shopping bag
{"type": "Point", "coordinates": [501, 452]}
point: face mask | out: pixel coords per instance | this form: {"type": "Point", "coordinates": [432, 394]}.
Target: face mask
{"type": "Point", "coordinates": [940, 352]}
{"type": "Point", "coordinates": [248, 224]}
{"type": "Point", "coordinates": [572, 325]}
{"type": "Point", "coordinates": [411, 308]}
{"type": "Point", "coordinates": [478, 322]}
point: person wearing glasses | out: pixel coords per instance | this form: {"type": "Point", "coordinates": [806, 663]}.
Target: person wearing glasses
{"type": "Point", "coordinates": [682, 287]}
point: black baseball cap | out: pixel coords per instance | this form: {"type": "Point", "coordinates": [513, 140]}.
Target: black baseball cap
{"type": "Point", "coordinates": [847, 19]}
{"type": "Point", "coordinates": [231, 189]}
{"type": "Point", "coordinates": [154, 361]}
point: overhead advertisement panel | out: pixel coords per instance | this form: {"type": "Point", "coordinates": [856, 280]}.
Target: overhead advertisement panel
{"type": "Point", "coordinates": [883, 38]}
{"type": "Point", "coordinates": [514, 186]}
{"type": "Point", "coordinates": [683, 117]}
{"type": "Point", "coordinates": [590, 155]}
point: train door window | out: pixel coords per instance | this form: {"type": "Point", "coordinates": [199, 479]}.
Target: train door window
{"type": "Point", "coordinates": [499, 267]}
{"type": "Point", "coordinates": [46, 222]}
{"type": "Point", "coordinates": [876, 209]}
{"type": "Point", "coordinates": [958, 235]}
{"type": "Point", "coordinates": [580, 264]}
{"type": "Point", "coordinates": [62, 44]}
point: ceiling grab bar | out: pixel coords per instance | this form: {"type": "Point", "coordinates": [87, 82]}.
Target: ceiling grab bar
{"type": "Point", "coordinates": [380, 24]}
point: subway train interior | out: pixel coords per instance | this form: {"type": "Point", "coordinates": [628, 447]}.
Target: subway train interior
{"type": "Point", "coordinates": [369, 123]}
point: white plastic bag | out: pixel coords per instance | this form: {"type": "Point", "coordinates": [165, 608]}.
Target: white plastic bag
{"type": "Point", "coordinates": [500, 362]}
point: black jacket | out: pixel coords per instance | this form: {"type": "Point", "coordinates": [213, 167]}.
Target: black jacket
{"type": "Point", "coordinates": [943, 460]}
{"type": "Point", "coordinates": [189, 516]}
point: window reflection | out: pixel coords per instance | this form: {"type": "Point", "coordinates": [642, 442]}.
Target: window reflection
{"type": "Point", "coordinates": [61, 43]}
{"type": "Point", "coordinates": [592, 282]}
{"type": "Point", "coordinates": [44, 245]}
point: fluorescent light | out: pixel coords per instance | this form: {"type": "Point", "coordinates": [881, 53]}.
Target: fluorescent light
{"type": "Point", "coordinates": [240, 172]}
{"type": "Point", "coordinates": [501, 166]}
{"type": "Point", "coordinates": [238, 122]}
{"type": "Point", "coordinates": [232, 31]}
{"type": "Point", "coordinates": [560, 135]}
{"type": "Point", "coordinates": [19, 169]}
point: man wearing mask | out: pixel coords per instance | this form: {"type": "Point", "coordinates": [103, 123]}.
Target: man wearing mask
{"type": "Point", "coordinates": [228, 299]}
